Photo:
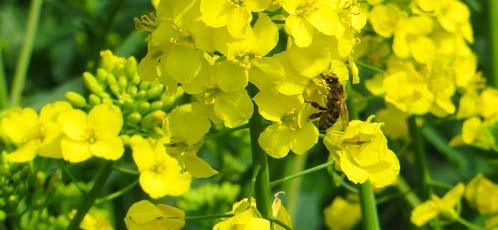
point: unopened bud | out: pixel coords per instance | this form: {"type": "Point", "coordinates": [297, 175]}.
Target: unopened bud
{"type": "Point", "coordinates": [91, 83]}
{"type": "Point", "coordinates": [143, 107]}
{"type": "Point", "coordinates": [102, 74]}
{"type": "Point", "coordinates": [122, 81]}
{"type": "Point", "coordinates": [153, 119]}
{"type": "Point", "coordinates": [134, 118]}
{"type": "Point", "coordinates": [155, 92]}
{"type": "Point", "coordinates": [94, 99]}
{"type": "Point", "coordinates": [156, 105]}
{"type": "Point", "coordinates": [75, 99]}
{"type": "Point", "coordinates": [131, 67]}
{"type": "Point", "coordinates": [132, 90]}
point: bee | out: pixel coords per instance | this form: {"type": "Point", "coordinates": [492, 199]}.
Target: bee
{"type": "Point", "coordinates": [335, 104]}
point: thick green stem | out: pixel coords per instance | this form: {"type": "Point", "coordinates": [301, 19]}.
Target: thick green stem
{"type": "Point", "coordinates": [302, 173]}
{"type": "Point", "coordinates": [493, 23]}
{"type": "Point", "coordinates": [25, 53]}
{"type": "Point", "coordinates": [294, 165]}
{"type": "Point", "coordinates": [262, 187]}
{"type": "Point", "coordinates": [421, 168]}
{"type": "Point", "coordinates": [3, 83]}
{"type": "Point", "coordinates": [367, 197]}
{"type": "Point", "coordinates": [368, 207]}
{"type": "Point", "coordinates": [90, 197]}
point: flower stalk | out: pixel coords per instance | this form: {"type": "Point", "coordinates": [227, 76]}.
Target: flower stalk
{"type": "Point", "coordinates": [91, 196]}
{"type": "Point", "coordinates": [25, 53]}
{"type": "Point", "coordinates": [367, 197]}
{"type": "Point", "coordinates": [421, 168]}
{"type": "Point", "coordinates": [262, 187]}
{"type": "Point", "coordinates": [3, 83]}
{"type": "Point", "coordinates": [493, 23]}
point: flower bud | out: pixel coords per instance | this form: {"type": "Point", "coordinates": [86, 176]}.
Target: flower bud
{"type": "Point", "coordinates": [135, 80]}
{"type": "Point", "coordinates": [75, 99]}
{"type": "Point", "coordinates": [134, 118]}
{"type": "Point", "coordinates": [131, 67]}
{"type": "Point", "coordinates": [122, 81]}
{"type": "Point", "coordinates": [91, 83]}
{"type": "Point", "coordinates": [132, 90]}
{"type": "Point", "coordinates": [156, 105]}
{"type": "Point", "coordinates": [94, 99]}
{"type": "Point", "coordinates": [143, 107]}
{"type": "Point", "coordinates": [144, 85]}
{"type": "Point", "coordinates": [155, 92]}
{"type": "Point", "coordinates": [153, 119]}
{"type": "Point", "coordinates": [102, 74]}
{"type": "Point", "coordinates": [141, 94]}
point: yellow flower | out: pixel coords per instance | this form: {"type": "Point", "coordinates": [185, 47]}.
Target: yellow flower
{"type": "Point", "coordinates": [280, 213]}
{"type": "Point", "coordinates": [159, 173]}
{"type": "Point", "coordinates": [145, 215]}
{"type": "Point", "coordinates": [407, 90]}
{"type": "Point", "coordinates": [474, 132]}
{"type": "Point", "coordinates": [33, 134]}
{"type": "Point", "coordinates": [482, 194]}
{"type": "Point", "coordinates": [246, 216]}
{"type": "Point", "coordinates": [342, 214]}
{"type": "Point", "coordinates": [454, 17]}
{"type": "Point", "coordinates": [185, 127]}
{"type": "Point", "coordinates": [361, 152]}
{"type": "Point", "coordinates": [291, 130]}
{"type": "Point", "coordinates": [95, 134]}
{"type": "Point", "coordinates": [394, 122]}
{"type": "Point", "coordinates": [411, 39]}
{"type": "Point", "coordinates": [96, 221]}
{"type": "Point", "coordinates": [446, 206]}
{"type": "Point", "coordinates": [385, 19]}
{"type": "Point", "coordinates": [305, 16]}
{"type": "Point", "coordinates": [234, 14]}
{"type": "Point", "coordinates": [487, 104]}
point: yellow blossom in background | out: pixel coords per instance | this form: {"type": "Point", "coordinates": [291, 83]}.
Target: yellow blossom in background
{"type": "Point", "coordinates": [342, 214]}
{"type": "Point", "coordinates": [482, 194]}
{"type": "Point", "coordinates": [487, 104]}
{"type": "Point", "coordinates": [447, 207]}
{"type": "Point", "coordinates": [385, 19]}
{"type": "Point", "coordinates": [160, 174]}
{"type": "Point", "coordinates": [92, 134]}
{"type": "Point", "coordinates": [361, 152]}
{"type": "Point", "coordinates": [144, 215]}
{"type": "Point", "coordinates": [246, 216]}
{"type": "Point", "coordinates": [95, 220]}
{"type": "Point", "coordinates": [394, 122]}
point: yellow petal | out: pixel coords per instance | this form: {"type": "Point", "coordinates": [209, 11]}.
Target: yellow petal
{"type": "Point", "coordinates": [424, 212]}
{"type": "Point", "coordinates": [24, 153]}
{"type": "Point", "coordinates": [238, 24]}
{"type": "Point", "coordinates": [19, 125]}
{"type": "Point", "coordinates": [234, 109]}
{"type": "Point", "coordinates": [182, 63]}
{"type": "Point", "coordinates": [74, 124]}
{"type": "Point", "coordinates": [325, 19]}
{"type": "Point", "coordinates": [304, 138]}
{"type": "Point", "coordinates": [106, 120]}
{"type": "Point", "coordinates": [198, 167]}
{"type": "Point", "coordinates": [275, 140]}
{"type": "Point", "coordinates": [75, 151]}
{"type": "Point", "coordinates": [231, 77]}
{"type": "Point", "coordinates": [300, 29]}
{"type": "Point", "coordinates": [110, 148]}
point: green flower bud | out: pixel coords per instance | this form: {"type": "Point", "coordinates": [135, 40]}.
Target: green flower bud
{"type": "Point", "coordinates": [154, 92]}
{"type": "Point", "coordinates": [75, 99]}
{"type": "Point", "coordinates": [153, 119]}
{"type": "Point", "coordinates": [141, 94]}
{"type": "Point", "coordinates": [156, 105]}
{"type": "Point", "coordinates": [91, 83]}
{"type": "Point", "coordinates": [13, 200]}
{"type": "Point", "coordinates": [132, 90]}
{"type": "Point", "coordinates": [131, 67]}
{"type": "Point", "coordinates": [143, 107]}
{"type": "Point", "coordinates": [144, 85]}
{"type": "Point", "coordinates": [94, 99]}
{"type": "Point", "coordinates": [111, 80]}
{"type": "Point", "coordinates": [114, 89]}
{"type": "Point", "coordinates": [122, 81]}
{"type": "Point", "coordinates": [135, 80]}
{"type": "Point", "coordinates": [134, 118]}
{"type": "Point", "coordinates": [102, 74]}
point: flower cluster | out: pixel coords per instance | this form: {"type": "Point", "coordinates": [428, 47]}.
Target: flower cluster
{"type": "Point", "coordinates": [424, 48]}
{"type": "Point", "coordinates": [215, 50]}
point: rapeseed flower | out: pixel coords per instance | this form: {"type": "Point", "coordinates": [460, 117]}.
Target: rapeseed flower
{"type": "Point", "coordinates": [146, 215]}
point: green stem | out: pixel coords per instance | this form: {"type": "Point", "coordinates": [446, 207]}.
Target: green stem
{"type": "Point", "coordinates": [125, 170]}
{"type": "Point", "coordinates": [440, 184]}
{"type": "Point", "coordinates": [493, 23]}
{"type": "Point", "coordinates": [468, 224]}
{"type": "Point", "coordinates": [370, 67]}
{"type": "Point", "coordinates": [294, 164]}
{"type": "Point", "coordinates": [368, 207]}
{"type": "Point", "coordinates": [405, 189]}
{"type": "Point", "coordinates": [421, 168]}
{"type": "Point", "coordinates": [255, 173]}
{"type": "Point", "coordinates": [282, 224]}
{"type": "Point", "coordinates": [262, 186]}
{"type": "Point", "coordinates": [302, 173]}
{"type": "Point", "coordinates": [440, 143]}
{"type": "Point", "coordinates": [117, 194]}
{"type": "Point", "coordinates": [25, 53]}
{"type": "Point", "coordinates": [90, 197]}
{"type": "Point", "coordinates": [367, 197]}
{"type": "Point", "coordinates": [71, 177]}
{"type": "Point", "coordinates": [3, 83]}
{"type": "Point", "coordinates": [348, 187]}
